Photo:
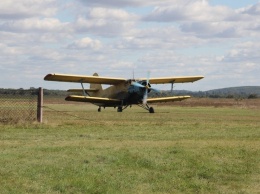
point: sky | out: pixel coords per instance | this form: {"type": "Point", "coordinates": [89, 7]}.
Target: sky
{"type": "Point", "coordinates": [218, 39]}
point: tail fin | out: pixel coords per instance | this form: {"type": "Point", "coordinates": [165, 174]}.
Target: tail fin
{"type": "Point", "coordinates": [96, 86]}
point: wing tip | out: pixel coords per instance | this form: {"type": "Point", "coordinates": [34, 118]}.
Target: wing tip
{"type": "Point", "coordinates": [68, 98]}
{"type": "Point", "coordinates": [48, 76]}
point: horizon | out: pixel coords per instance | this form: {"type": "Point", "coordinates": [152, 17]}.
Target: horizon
{"type": "Point", "coordinates": [155, 84]}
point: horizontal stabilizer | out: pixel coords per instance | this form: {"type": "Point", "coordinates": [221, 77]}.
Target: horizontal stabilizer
{"type": "Point", "coordinates": [167, 99]}
{"type": "Point", "coordinates": [80, 90]}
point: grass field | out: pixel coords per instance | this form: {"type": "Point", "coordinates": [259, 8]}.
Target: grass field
{"type": "Point", "coordinates": [201, 149]}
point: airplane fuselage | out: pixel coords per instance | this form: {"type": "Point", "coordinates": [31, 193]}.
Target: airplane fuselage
{"type": "Point", "coordinates": [125, 92]}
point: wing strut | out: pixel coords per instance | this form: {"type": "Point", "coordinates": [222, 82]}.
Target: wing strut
{"type": "Point", "coordinates": [83, 90]}
{"type": "Point", "coordinates": [172, 86]}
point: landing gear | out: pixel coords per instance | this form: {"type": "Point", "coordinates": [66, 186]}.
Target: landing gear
{"type": "Point", "coordinates": [151, 110]}
{"type": "Point", "coordinates": [146, 107]}
{"type": "Point", "coordinates": [120, 109]}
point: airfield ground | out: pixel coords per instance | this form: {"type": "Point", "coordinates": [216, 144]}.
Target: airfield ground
{"type": "Point", "coordinates": [195, 146]}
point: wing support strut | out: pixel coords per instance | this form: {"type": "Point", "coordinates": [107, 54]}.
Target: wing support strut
{"type": "Point", "coordinates": [172, 86]}
{"type": "Point", "coordinates": [83, 90]}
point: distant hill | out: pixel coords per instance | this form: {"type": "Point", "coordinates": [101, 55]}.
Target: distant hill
{"type": "Point", "coordinates": [238, 90]}
{"type": "Point", "coordinates": [243, 91]}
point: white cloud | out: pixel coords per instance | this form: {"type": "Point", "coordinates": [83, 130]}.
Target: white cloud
{"type": "Point", "coordinates": [14, 9]}
{"type": "Point", "coordinates": [34, 25]}
{"type": "Point", "coordinates": [9, 51]}
{"type": "Point", "coordinates": [86, 43]}
{"type": "Point", "coordinates": [245, 52]}
{"type": "Point", "coordinates": [211, 30]}
{"type": "Point", "coordinates": [112, 14]}
{"type": "Point", "coordinates": [200, 19]}
{"type": "Point", "coordinates": [192, 11]}
{"type": "Point", "coordinates": [128, 3]}
{"type": "Point", "coordinates": [251, 10]}
{"type": "Point", "coordinates": [104, 21]}
{"type": "Point", "coordinates": [157, 38]}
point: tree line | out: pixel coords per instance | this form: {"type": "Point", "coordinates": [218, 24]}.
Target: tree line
{"type": "Point", "coordinates": [206, 94]}
{"type": "Point", "coordinates": [249, 92]}
{"type": "Point", "coordinates": [31, 91]}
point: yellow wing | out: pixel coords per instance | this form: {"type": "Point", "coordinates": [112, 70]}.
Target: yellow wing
{"type": "Point", "coordinates": [83, 79]}
{"type": "Point", "coordinates": [80, 90]}
{"type": "Point", "coordinates": [182, 79]}
{"type": "Point", "coordinates": [167, 99]}
{"type": "Point", "coordinates": [94, 100]}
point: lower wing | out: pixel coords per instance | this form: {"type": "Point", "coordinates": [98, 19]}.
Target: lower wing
{"type": "Point", "coordinates": [95, 100]}
{"type": "Point", "coordinates": [167, 99]}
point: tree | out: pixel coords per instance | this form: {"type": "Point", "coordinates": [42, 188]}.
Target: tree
{"type": "Point", "coordinates": [252, 96]}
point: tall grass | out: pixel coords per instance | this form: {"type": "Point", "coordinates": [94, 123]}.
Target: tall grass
{"type": "Point", "coordinates": [175, 150]}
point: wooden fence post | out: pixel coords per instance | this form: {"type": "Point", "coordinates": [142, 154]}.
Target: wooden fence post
{"type": "Point", "coordinates": [40, 105]}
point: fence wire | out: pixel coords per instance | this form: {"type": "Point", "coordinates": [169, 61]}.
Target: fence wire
{"type": "Point", "coordinates": [18, 105]}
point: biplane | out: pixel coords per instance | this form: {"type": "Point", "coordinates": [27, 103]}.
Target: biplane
{"type": "Point", "coordinates": [122, 93]}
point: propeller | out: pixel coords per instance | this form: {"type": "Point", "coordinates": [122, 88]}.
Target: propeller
{"type": "Point", "coordinates": [147, 87]}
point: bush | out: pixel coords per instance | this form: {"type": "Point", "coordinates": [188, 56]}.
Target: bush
{"type": "Point", "coordinates": [252, 96]}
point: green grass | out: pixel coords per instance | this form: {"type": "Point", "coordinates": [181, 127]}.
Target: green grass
{"type": "Point", "coordinates": [175, 150]}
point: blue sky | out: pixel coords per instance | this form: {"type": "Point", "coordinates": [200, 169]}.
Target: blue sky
{"type": "Point", "coordinates": [233, 3]}
{"type": "Point", "coordinates": [215, 38]}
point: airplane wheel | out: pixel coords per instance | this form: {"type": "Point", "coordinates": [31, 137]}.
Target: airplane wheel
{"type": "Point", "coordinates": [119, 109]}
{"type": "Point", "coordinates": [151, 110]}
{"type": "Point", "coordinates": [99, 109]}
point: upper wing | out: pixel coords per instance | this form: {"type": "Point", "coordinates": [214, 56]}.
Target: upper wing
{"type": "Point", "coordinates": [182, 79]}
{"type": "Point", "coordinates": [92, 99]}
{"type": "Point", "coordinates": [81, 90]}
{"type": "Point", "coordinates": [83, 79]}
{"type": "Point", "coordinates": [167, 99]}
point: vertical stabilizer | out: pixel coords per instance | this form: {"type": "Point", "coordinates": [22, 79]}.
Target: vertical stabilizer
{"type": "Point", "coordinates": [96, 86]}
